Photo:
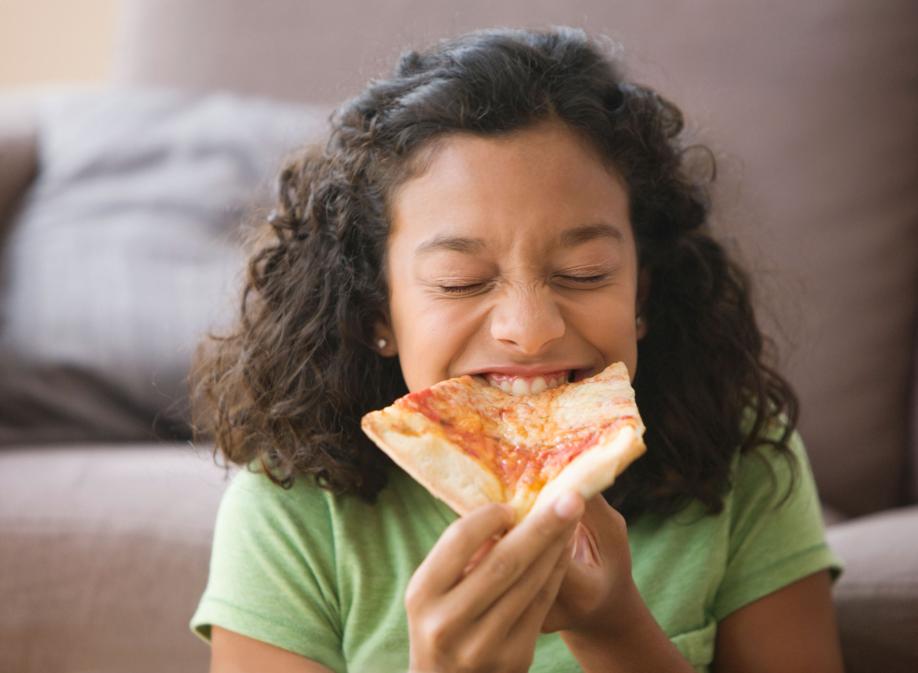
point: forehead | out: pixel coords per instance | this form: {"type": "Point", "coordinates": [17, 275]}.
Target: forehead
{"type": "Point", "coordinates": [537, 182]}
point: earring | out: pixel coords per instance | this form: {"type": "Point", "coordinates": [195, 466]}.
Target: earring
{"type": "Point", "coordinates": [381, 343]}
{"type": "Point", "coordinates": [639, 321]}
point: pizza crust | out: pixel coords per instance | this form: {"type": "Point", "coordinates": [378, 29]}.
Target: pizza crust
{"type": "Point", "coordinates": [596, 469]}
{"type": "Point", "coordinates": [415, 444]}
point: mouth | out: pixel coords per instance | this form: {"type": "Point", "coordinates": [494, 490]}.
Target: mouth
{"type": "Point", "coordinates": [520, 385]}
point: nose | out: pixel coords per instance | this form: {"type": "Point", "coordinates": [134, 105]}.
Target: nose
{"type": "Point", "coordinates": [527, 319]}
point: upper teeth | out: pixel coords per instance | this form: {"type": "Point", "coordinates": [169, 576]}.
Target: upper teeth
{"type": "Point", "coordinates": [519, 385]}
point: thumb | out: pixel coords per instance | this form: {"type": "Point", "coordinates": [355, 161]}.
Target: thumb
{"type": "Point", "coordinates": [585, 550]}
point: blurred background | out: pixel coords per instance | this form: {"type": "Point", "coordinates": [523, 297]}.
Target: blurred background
{"type": "Point", "coordinates": [45, 41]}
{"type": "Point", "coordinates": [138, 143]}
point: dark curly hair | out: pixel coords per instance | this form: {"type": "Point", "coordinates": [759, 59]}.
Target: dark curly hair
{"type": "Point", "coordinates": [288, 386]}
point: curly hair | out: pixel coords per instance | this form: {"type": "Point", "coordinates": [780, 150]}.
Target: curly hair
{"type": "Point", "coordinates": [287, 387]}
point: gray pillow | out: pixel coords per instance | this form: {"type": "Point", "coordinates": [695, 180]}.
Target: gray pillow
{"type": "Point", "coordinates": [126, 251]}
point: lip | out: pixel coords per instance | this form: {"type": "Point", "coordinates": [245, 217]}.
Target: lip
{"type": "Point", "coordinates": [528, 371]}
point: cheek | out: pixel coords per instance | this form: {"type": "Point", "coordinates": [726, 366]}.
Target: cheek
{"type": "Point", "coordinates": [429, 325]}
{"type": "Point", "coordinates": [429, 334]}
{"type": "Point", "coordinates": [604, 312]}
{"type": "Point", "coordinates": [608, 324]}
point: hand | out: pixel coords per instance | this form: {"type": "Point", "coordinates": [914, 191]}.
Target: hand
{"type": "Point", "coordinates": [598, 584]}
{"type": "Point", "coordinates": [478, 601]}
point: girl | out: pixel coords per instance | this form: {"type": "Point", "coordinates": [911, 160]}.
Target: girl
{"type": "Point", "coordinates": [508, 206]}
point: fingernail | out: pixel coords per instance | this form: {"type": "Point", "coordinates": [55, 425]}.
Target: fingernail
{"type": "Point", "coordinates": [569, 506]}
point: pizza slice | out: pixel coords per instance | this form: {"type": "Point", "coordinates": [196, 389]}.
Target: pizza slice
{"type": "Point", "coordinates": [470, 443]}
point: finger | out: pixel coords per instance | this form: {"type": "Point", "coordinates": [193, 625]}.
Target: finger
{"type": "Point", "coordinates": [533, 587]}
{"type": "Point", "coordinates": [529, 599]}
{"type": "Point", "coordinates": [533, 618]}
{"type": "Point", "coordinates": [444, 565]}
{"type": "Point", "coordinates": [542, 533]}
{"type": "Point", "coordinates": [589, 563]}
{"type": "Point", "coordinates": [599, 515]}
{"type": "Point", "coordinates": [600, 555]}
{"type": "Point", "coordinates": [480, 554]}
{"type": "Point", "coordinates": [585, 549]}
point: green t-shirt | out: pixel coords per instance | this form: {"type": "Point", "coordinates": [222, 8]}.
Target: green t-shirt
{"type": "Point", "coordinates": [324, 575]}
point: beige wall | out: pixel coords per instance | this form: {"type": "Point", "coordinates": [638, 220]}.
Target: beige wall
{"type": "Point", "coordinates": [45, 41]}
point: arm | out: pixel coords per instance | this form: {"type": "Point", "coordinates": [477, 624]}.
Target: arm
{"type": "Point", "coordinates": [791, 630]}
{"type": "Point", "coordinates": [269, 573]}
{"type": "Point", "coordinates": [235, 653]}
{"type": "Point", "coordinates": [791, 627]}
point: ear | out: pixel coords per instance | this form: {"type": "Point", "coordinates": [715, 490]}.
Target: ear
{"type": "Point", "coordinates": [384, 340]}
{"type": "Point", "coordinates": [643, 292]}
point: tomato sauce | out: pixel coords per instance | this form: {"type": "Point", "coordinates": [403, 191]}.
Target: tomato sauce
{"type": "Point", "coordinates": [512, 463]}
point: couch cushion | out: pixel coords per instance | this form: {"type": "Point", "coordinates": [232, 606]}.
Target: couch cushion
{"type": "Point", "coordinates": [18, 151]}
{"type": "Point", "coordinates": [126, 251]}
{"type": "Point", "coordinates": [877, 596]}
{"type": "Point", "coordinates": [104, 554]}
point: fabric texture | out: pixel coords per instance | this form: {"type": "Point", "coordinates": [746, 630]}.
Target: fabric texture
{"type": "Point", "coordinates": [877, 595]}
{"type": "Point", "coordinates": [103, 556]}
{"type": "Point", "coordinates": [126, 251]}
{"type": "Point", "coordinates": [324, 575]}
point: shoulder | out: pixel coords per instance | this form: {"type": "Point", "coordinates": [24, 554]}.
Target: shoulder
{"type": "Point", "coordinates": [773, 473]}
{"type": "Point", "coordinates": [251, 490]}
{"type": "Point", "coordinates": [255, 508]}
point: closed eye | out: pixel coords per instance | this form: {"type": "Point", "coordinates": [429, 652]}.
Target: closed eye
{"type": "Point", "coordinates": [584, 280]}
{"type": "Point", "coordinates": [460, 290]}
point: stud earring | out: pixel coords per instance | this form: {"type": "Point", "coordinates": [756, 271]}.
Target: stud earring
{"type": "Point", "coordinates": [639, 321]}
{"type": "Point", "coordinates": [381, 343]}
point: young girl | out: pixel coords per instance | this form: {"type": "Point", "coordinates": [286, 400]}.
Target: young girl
{"type": "Point", "coordinates": [506, 206]}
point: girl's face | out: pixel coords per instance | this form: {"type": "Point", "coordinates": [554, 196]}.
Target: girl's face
{"type": "Point", "coordinates": [512, 258]}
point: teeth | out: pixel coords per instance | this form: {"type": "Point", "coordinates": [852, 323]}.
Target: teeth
{"type": "Point", "coordinates": [519, 386]}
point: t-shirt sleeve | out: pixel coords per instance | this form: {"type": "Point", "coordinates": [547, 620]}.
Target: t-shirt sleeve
{"type": "Point", "coordinates": [272, 570]}
{"type": "Point", "coordinates": [776, 530]}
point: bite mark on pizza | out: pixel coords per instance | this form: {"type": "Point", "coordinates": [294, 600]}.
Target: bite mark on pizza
{"type": "Point", "coordinates": [470, 443]}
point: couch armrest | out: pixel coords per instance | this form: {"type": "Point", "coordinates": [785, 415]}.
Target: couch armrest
{"type": "Point", "coordinates": [877, 596]}
{"type": "Point", "coordinates": [18, 150]}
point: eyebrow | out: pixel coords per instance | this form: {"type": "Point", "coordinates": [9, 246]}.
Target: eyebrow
{"type": "Point", "coordinates": [588, 232]}
{"type": "Point", "coordinates": [468, 246]}
{"type": "Point", "coordinates": [569, 238]}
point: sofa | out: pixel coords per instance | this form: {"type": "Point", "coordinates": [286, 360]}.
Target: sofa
{"type": "Point", "coordinates": [124, 207]}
